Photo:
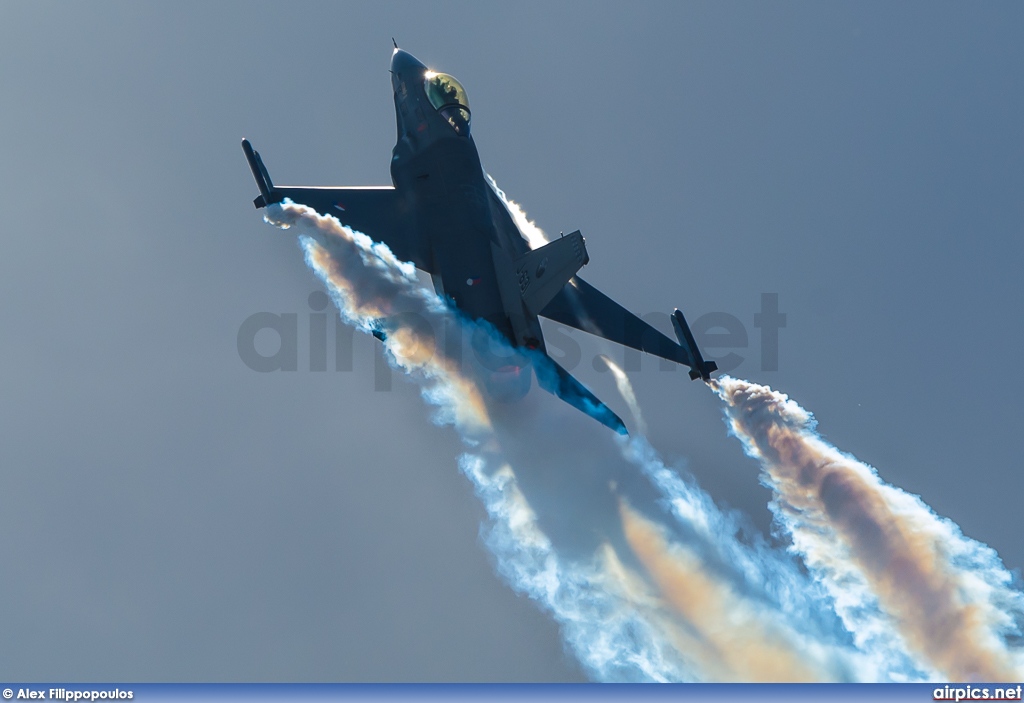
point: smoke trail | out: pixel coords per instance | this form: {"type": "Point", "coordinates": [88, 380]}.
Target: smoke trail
{"type": "Point", "coordinates": [600, 611]}
{"type": "Point", "coordinates": [739, 642]}
{"type": "Point", "coordinates": [535, 237]}
{"type": "Point", "coordinates": [610, 578]}
{"type": "Point", "coordinates": [625, 389]}
{"type": "Point", "coordinates": [603, 609]}
{"type": "Point", "coordinates": [884, 554]}
{"type": "Point", "coordinates": [757, 577]}
{"type": "Point", "coordinates": [787, 600]}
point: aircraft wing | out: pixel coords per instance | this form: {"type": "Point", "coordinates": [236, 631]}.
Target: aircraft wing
{"type": "Point", "coordinates": [376, 211]}
{"type": "Point", "coordinates": [584, 307]}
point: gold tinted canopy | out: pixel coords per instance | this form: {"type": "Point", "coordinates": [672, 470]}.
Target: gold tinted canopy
{"type": "Point", "coordinates": [443, 91]}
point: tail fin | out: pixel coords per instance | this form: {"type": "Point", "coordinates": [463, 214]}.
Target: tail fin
{"type": "Point", "coordinates": [543, 272]}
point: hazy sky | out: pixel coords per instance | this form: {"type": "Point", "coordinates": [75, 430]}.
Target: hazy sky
{"type": "Point", "coordinates": [167, 513]}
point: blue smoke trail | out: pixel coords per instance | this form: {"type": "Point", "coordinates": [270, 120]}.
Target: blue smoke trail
{"type": "Point", "coordinates": [576, 527]}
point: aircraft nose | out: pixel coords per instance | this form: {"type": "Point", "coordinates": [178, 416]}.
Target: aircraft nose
{"type": "Point", "coordinates": [403, 63]}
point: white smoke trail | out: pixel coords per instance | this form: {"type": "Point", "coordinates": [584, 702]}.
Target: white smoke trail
{"type": "Point", "coordinates": [756, 569]}
{"type": "Point", "coordinates": [603, 610]}
{"type": "Point", "coordinates": [610, 576]}
{"type": "Point", "coordinates": [895, 568]}
{"type": "Point", "coordinates": [625, 389]}
{"type": "Point", "coordinates": [534, 235]}
{"type": "Point", "coordinates": [601, 615]}
{"type": "Point", "coordinates": [791, 603]}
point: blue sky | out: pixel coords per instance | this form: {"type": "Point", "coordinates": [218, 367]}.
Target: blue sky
{"type": "Point", "coordinates": [166, 513]}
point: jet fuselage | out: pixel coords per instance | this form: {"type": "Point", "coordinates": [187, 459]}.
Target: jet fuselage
{"type": "Point", "coordinates": [436, 166]}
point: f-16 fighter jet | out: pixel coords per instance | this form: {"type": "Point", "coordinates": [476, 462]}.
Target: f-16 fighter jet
{"type": "Point", "coordinates": [441, 214]}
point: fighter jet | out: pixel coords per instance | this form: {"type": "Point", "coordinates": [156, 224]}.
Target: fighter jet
{"type": "Point", "coordinates": [442, 214]}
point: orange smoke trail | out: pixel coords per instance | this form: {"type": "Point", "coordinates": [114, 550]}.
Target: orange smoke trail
{"type": "Point", "coordinates": [745, 645]}
{"type": "Point", "coordinates": [838, 509]}
{"type": "Point", "coordinates": [365, 290]}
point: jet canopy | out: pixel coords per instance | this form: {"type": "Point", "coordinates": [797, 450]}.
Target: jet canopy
{"type": "Point", "coordinates": [449, 98]}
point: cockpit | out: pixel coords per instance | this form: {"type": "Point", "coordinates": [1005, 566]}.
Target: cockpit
{"type": "Point", "coordinates": [449, 98]}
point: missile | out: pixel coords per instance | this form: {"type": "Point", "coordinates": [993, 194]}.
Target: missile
{"type": "Point", "coordinates": [699, 368]}
{"type": "Point", "coordinates": [259, 172]}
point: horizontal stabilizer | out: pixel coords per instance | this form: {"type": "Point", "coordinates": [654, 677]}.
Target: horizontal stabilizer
{"type": "Point", "coordinates": [557, 381]}
{"type": "Point", "coordinates": [543, 272]}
